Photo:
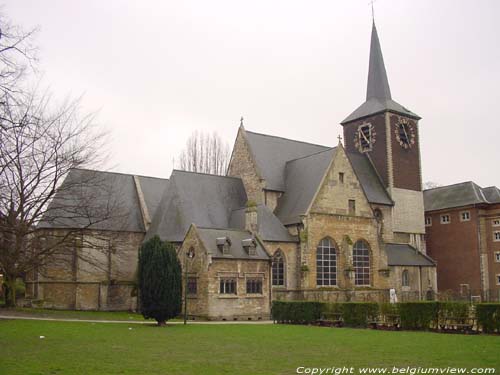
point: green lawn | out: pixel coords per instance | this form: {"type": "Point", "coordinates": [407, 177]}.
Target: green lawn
{"type": "Point", "coordinates": [96, 348]}
{"type": "Point", "coordinates": [71, 314]}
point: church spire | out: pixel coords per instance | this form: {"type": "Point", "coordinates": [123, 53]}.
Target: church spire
{"type": "Point", "coordinates": [378, 85]}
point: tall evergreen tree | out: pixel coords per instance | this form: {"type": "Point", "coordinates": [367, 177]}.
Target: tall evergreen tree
{"type": "Point", "coordinates": [160, 281]}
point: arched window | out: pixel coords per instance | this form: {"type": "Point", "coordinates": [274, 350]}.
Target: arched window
{"type": "Point", "coordinates": [326, 263]}
{"type": "Point", "coordinates": [278, 269]}
{"type": "Point", "coordinates": [405, 278]}
{"type": "Point", "coordinates": [361, 263]}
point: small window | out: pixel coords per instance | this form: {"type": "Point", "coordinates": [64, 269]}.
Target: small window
{"type": "Point", "coordinates": [428, 221]}
{"type": "Point", "coordinates": [341, 177]}
{"type": "Point", "coordinates": [496, 236]}
{"type": "Point", "coordinates": [254, 286]}
{"type": "Point", "coordinates": [498, 279]}
{"type": "Point", "coordinates": [497, 256]}
{"type": "Point", "coordinates": [227, 286]}
{"type": "Point", "coordinates": [278, 269]}
{"type": "Point", "coordinates": [445, 219]}
{"type": "Point", "coordinates": [496, 223]}
{"type": "Point", "coordinates": [465, 216]}
{"type": "Point", "coordinates": [352, 207]}
{"type": "Point", "coordinates": [365, 137]}
{"type": "Point", "coordinates": [192, 285]}
{"type": "Point", "coordinates": [405, 278]}
{"type": "Point", "coordinates": [224, 245]}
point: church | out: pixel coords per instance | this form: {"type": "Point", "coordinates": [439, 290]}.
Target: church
{"type": "Point", "coordinates": [290, 221]}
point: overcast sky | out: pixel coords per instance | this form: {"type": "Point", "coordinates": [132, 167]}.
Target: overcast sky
{"type": "Point", "coordinates": [158, 70]}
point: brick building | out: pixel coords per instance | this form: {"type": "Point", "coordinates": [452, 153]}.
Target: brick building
{"type": "Point", "coordinates": [291, 220]}
{"type": "Point", "coordinates": [463, 235]}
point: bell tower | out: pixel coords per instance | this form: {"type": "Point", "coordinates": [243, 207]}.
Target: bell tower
{"type": "Point", "coordinates": [387, 133]}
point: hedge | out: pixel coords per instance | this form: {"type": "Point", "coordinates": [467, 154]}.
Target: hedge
{"type": "Point", "coordinates": [488, 316]}
{"type": "Point", "coordinates": [298, 312]}
{"type": "Point", "coordinates": [357, 314]}
{"type": "Point", "coordinates": [418, 315]}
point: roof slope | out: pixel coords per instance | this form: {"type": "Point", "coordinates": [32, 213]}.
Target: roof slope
{"type": "Point", "coordinates": [406, 255]}
{"type": "Point", "coordinates": [303, 177]}
{"type": "Point", "coordinates": [270, 227]}
{"type": "Point", "coordinates": [203, 199]}
{"type": "Point", "coordinates": [100, 200]}
{"type": "Point", "coordinates": [457, 195]}
{"type": "Point", "coordinates": [236, 251]}
{"type": "Point", "coordinates": [271, 154]}
{"type": "Point", "coordinates": [152, 189]}
{"type": "Point", "coordinates": [492, 194]}
{"type": "Point", "coordinates": [378, 92]}
{"type": "Point", "coordinates": [369, 179]}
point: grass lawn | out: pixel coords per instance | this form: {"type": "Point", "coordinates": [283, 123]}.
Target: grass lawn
{"type": "Point", "coordinates": [96, 348]}
{"type": "Point", "coordinates": [70, 314]}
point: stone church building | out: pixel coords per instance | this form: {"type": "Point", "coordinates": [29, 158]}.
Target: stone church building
{"type": "Point", "coordinates": [291, 220]}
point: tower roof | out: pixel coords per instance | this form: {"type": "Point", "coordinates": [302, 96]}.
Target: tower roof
{"type": "Point", "coordinates": [378, 92]}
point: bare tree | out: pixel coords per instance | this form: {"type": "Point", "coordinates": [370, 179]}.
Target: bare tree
{"type": "Point", "coordinates": [17, 55]}
{"type": "Point", "coordinates": [431, 185]}
{"type": "Point", "coordinates": [39, 145]}
{"type": "Point", "coordinates": [204, 153]}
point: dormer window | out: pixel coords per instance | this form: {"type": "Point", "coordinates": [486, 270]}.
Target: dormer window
{"type": "Point", "coordinates": [250, 246]}
{"type": "Point", "coordinates": [224, 245]}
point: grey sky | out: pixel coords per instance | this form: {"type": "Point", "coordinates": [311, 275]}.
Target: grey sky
{"type": "Point", "coordinates": [157, 70]}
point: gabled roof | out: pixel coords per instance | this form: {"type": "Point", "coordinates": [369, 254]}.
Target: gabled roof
{"type": "Point", "coordinates": [203, 199]}
{"type": "Point", "coordinates": [303, 178]}
{"type": "Point", "coordinates": [270, 227]}
{"type": "Point", "coordinates": [271, 154]}
{"type": "Point", "coordinates": [457, 195]}
{"type": "Point", "coordinates": [101, 200]}
{"type": "Point", "coordinates": [378, 92]}
{"type": "Point", "coordinates": [406, 255]}
{"type": "Point", "coordinates": [369, 179]}
{"type": "Point", "coordinates": [236, 251]}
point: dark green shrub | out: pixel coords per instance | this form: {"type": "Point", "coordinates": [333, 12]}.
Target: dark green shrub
{"type": "Point", "coordinates": [488, 317]}
{"type": "Point", "coordinates": [160, 281]}
{"type": "Point", "coordinates": [418, 315]}
{"type": "Point", "coordinates": [297, 312]}
{"type": "Point", "coordinates": [357, 314]}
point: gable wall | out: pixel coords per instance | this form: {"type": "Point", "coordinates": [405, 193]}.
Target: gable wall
{"type": "Point", "coordinates": [242, 165]}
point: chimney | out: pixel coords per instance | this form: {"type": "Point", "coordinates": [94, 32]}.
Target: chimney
{"type": "Point", "coordinates": [251, 223]}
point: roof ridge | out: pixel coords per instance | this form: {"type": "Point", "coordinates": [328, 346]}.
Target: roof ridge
{"type": "Point", "coordinates": [286, 139]}
{"type": "Point", "coordinates": [307, 156]}
{"type": "Point", "coordinates": [120, 173]}
{"type": "Point", "coordinates": [447, 186]}
{"type": "Point", "coordinates": [226, 229]}
{"type": "Point", "coordinates": [205, 174]}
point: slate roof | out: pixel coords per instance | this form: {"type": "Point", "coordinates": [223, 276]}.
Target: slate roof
{"type": "Point", "coordinates": [492, 194]}
{"type": "Point", "coordinates": [457, 195]}
{"type": "Point", "coordinates": [203, 199]}
{"type": "Point", "coordinates": [369, 179]}
{"type": "Point", "coordinates": [270, 227]}
{"type": "Point", "coordinates": [271, 154]}
{"type": "Point", "coordinates": [378, 92]}
{"type": "Point", "coordinates": [101, 200]}
{"type": "Point", "coordinates": [236, 251]}
{"type": "Point", "coordinates": [303, 177]}
{"type": "Point", "coordinates": [406, 255]}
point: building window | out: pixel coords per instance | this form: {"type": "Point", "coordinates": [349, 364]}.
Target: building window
{"type": "Point", "coordinates": [227, 286]}
{"type": "Point", "coordinates": [361, 263]}
{"type": "Point", "coordinates": [496, 223]}
{"type": "Point", "coordinates": [497, 256]}
{"type": "Point", "coordinates": [405, 278]}
{"type": "Point", "coordinates": [496, 236]}
{"type": "Point", "coordinates": [352, 207]}
{"type": "Point", "coordinates": [254, 286]}
{"type": "Point", "coordinates": [224, 245]}
{"type": "Point", "coordinates": [250, 246]}
{"type": "Point", "coordinates": [341, 177]}
{"type": "Point", "coordinates": [445, 219]}
{"type": "Point", "coordinates": [326, 263]}
{"type": "Point", "coordinates": [428, 221]}
{"type": "Point", "coordinates": [278, 269]}
{"type": "Point", "coordinates": [192, 285]}
{"type": "Point", "coordinates": [465, 216]}
{"type": "Point", "coordinates": [365, 137]}
{"type": "Point", "coordinates": [498, 279]}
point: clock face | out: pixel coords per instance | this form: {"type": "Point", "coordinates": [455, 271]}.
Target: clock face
{"type": "Point", "coordinates": [365, 137]}
{"type": "Point", "coordinates": [405, 133]}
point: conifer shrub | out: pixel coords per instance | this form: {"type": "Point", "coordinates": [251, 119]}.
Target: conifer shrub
{"type": "Point", "coordinates": [160, 281]}
{"type": "Point", "coordinates": [488, 317]}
